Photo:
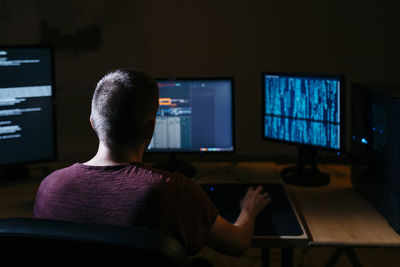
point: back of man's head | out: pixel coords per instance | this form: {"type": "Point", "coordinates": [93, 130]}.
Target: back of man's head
{"type": "Point", "coordinates": [123, 104]}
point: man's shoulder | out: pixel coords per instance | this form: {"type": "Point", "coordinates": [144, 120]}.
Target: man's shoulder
{"type": "Point", "coordinates": [60, 172]}
{"type": "Point", "coordinates": [63, 170]}
{"type": "Point", "coordinates": [174, 180]}
{"type": "Point", "coordinates": [137, 173]}
{"type": "Point", "coordinates": [165, 175]}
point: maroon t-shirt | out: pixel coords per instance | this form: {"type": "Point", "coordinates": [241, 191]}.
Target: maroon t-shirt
{"type": "Point", "coordinates": [129, 195]}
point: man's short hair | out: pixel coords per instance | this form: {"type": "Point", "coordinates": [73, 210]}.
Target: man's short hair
{"type": "Point", "coordinates": [124, 101]}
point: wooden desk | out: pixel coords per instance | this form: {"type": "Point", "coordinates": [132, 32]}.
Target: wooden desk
{"type": "Point", "coordinates": [338, 215]}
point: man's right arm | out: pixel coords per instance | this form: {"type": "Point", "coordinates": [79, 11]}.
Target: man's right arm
{"type": "Point", "coordinates": [235, 239]}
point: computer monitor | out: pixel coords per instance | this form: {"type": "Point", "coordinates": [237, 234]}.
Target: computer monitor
{"type": "Point", "coordinates": [306, 110]}
{"type": "Point", "coordinates": [27, 105]}
{"type": "Point", "coordinates": [195, 116]}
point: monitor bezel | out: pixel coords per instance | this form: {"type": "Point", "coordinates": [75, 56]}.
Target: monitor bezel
{"type": "Point", "coordinates": [340, 77]}
{"type": "Point", "coordinates": [54, 157]}
{"type": "Point", "coordinates": [194, 152]}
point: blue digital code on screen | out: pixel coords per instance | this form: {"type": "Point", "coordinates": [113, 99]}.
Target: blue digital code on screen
{"type": "Point", "coordinates": [304, 110]}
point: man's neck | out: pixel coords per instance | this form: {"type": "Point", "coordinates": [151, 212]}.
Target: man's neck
{"type": "Point", "coordinates": [107, 157]}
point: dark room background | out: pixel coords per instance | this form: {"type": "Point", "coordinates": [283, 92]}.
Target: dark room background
{"type": "Point", "coordinates": [197, 38]}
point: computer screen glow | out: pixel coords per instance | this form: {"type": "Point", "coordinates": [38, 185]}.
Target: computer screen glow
{"type": "Point", "coordinates": [195, 115]}
{"type": "Point", "coordinates": [303, 109]}
{"type": "Point", "coordinates": [27, 128]}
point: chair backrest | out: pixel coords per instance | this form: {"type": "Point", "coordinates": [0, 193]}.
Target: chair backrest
{"type": "Point", "coordinates": [51, 242]}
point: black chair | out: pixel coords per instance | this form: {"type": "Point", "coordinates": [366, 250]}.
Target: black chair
{"type": "Point", "coordinates": [50, 242]}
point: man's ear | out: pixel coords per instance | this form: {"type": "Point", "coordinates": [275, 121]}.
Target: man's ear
{"type": "Point", "coordinates": [91, 121]}
{"type": "Point", "coordinates": [149, 130]}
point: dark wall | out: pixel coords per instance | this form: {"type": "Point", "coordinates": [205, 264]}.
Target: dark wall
{"type": "Point", "coordinates": [203, 38]}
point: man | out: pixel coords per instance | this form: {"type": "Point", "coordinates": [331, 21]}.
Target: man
{"type": "Point", "coordinates": [114, 187]}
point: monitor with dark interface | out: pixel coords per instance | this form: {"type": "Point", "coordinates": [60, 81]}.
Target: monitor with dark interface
{"type": "Point", "coordinates": [194, 116]}
{"type": "Point", "coordinates": [306, 110]}
{"type": "Point", "coordinates": [27, 119]}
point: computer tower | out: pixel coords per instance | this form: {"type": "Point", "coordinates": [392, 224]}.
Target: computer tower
{"type": "Point", "coordinates": [375, 147]}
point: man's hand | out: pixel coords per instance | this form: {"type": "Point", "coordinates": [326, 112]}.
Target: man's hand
{"type": "Point", "coordinates": [254, 201]}
{"type": "Point", "coordinates": [235, 239]}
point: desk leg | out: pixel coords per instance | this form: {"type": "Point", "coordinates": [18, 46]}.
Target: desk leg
{"type": "Point", "coordinates": [349, 252]}
{"type": "Point", "coordinates": [266, 257]}
{"type": "Point", "coordinates": [287, 257]}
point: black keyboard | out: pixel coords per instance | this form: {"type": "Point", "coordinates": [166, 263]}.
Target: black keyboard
{"type": "Point", "coordinates": [277, 219]}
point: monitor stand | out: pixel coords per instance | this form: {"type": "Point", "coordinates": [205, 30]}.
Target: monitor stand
{"type": "Point", "coordinates": [306, 173]}
{"type": "Point", "coordinates": [174, 165]}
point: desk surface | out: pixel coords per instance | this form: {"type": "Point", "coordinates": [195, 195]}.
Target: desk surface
{"type": "Point", "coordinates": [338, 215]}
{"type": "Point", "coordinates": [333, 215]}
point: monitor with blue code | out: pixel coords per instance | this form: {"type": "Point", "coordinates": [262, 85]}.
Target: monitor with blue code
{"type": "Point", "coordinates": [306, 110]}
{"type": "Point", "coordinates": [303, 109]}
{"type": "Point", "coordinates": [195, 115]}
{"type": "Point", "coordinates": [27, 119]}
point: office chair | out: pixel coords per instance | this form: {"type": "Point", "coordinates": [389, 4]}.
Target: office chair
{"type": "Point", "coordinates": [50, 242]}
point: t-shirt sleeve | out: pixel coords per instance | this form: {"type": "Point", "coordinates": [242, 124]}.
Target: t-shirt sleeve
{"type": "Point", "coordinates": [195, 214]}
